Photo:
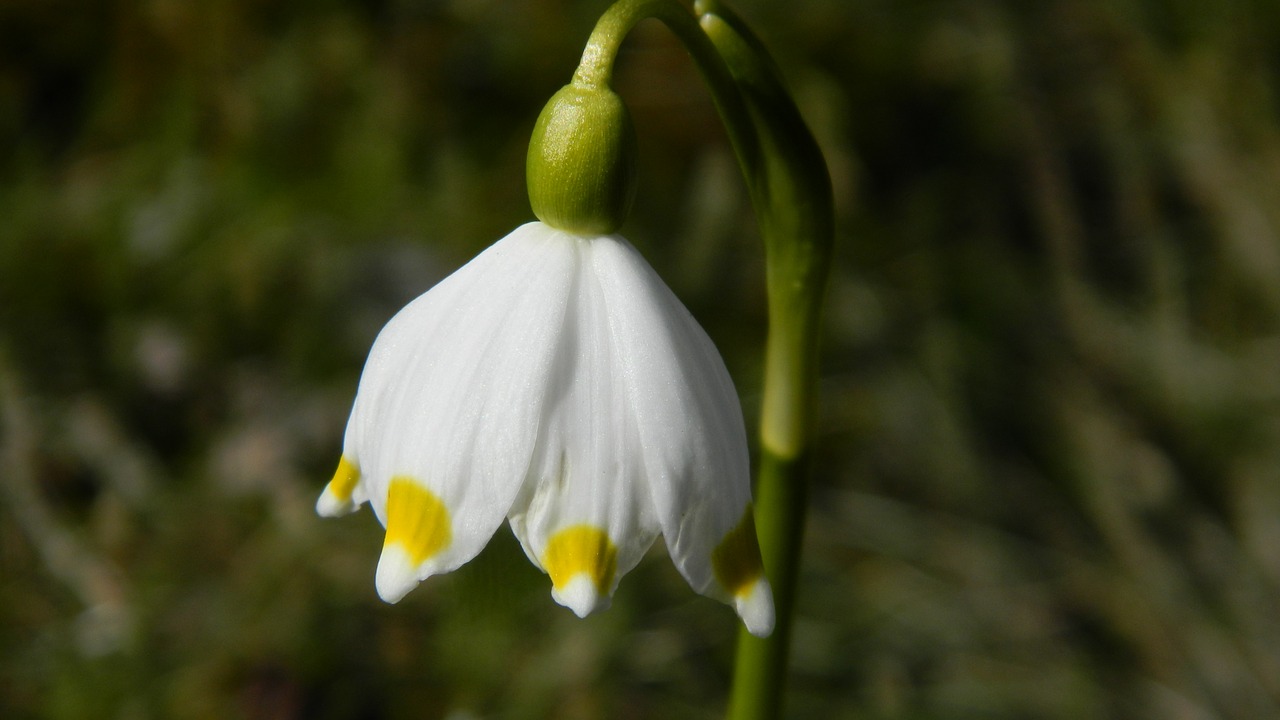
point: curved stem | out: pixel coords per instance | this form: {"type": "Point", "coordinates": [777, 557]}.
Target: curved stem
{"type": "Point", "coordinates": [790, 190]}
{"type": "Point", "coordinates": [596, 67]}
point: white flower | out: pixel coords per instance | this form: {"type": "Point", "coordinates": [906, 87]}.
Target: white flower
{"type": "Point", "coordinates": [557, 382]}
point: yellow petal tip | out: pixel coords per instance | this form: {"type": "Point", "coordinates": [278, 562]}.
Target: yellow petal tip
{"type": "Point", "coordinates": [418, 529]}
{"type": "Point", "coordinates": [582, 562]}
{"type": "Point", "coordinates": [337, 496]}
{"type": "Point", "coordinates": [755, 607]}
{"type": "Point", "coordinates": [736, 560]}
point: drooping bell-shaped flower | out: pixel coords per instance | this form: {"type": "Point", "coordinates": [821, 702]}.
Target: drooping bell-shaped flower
{"type": "Point", "coordinates": [554, 381]}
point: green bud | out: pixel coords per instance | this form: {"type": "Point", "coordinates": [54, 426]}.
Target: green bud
{"type": "Point", "coordinates": [582, 158]}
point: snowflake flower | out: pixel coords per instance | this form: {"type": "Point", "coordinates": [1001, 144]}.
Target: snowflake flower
{"type": "Point", "coordinates": [556, 382]}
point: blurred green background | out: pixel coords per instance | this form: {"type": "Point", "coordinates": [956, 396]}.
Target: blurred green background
{"type": "Point", "coordinates": [1048, 478]}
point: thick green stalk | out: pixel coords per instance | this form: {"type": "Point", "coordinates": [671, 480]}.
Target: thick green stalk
{"type": "Point", "coordinates": [791, 192]}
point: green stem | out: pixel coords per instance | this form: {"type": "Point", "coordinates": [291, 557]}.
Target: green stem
{"type": "Point", "coordinates": [791, 192]}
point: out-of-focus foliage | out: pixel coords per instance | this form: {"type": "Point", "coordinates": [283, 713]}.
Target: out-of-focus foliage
{"type": "Point", "coordinates": [1048, 484]}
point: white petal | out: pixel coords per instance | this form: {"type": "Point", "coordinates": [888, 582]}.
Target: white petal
{"type": "Point", "coordinates": [581, 594]}
{"type": "Point", "coordinates": [586, 516]}
{"type": "Point", "coordinates": [755, 607]}
{"type": "Point", "coordinates": [450, 400]}
{"type": "Point", "coordinates": [397, 574]}
{"type": "Point", "coordinates": [346, 491]}
{"type": "Point", "coordinates": [690, 423]}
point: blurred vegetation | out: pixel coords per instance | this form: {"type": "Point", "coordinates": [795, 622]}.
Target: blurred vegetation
{"type": "Point", "coordinates": [1049, 478]}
